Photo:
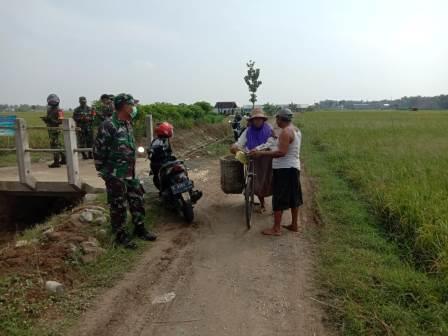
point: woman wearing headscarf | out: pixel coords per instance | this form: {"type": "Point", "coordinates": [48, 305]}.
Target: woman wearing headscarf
{"type": "Point", "coordinates": [258, 133]}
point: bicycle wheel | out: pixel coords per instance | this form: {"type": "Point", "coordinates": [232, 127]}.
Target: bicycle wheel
{"type": "Point", "coordinates": [249, 200]}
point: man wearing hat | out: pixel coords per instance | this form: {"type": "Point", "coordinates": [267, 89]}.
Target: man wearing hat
{"type": "Point", "coordinates": [84, 120]}
{"type": "Point", "coordinates": [115, 157]}
{"type": "Point", "coordinates": [287, 193]}
{"type": "Point", "coordinates": [106, 108]}
{"type": "Point", "coordinates": [256, 134]}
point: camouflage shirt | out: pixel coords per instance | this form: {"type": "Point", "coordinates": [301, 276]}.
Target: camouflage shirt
{"type": "Point", "coordinates": [54, 116]}
{"type": "Point", "coordinates": [114, 149]}
{"type": "Point", "coordinates": [104, 112]}
{"type": "Point", "coordinates": [83, 115]}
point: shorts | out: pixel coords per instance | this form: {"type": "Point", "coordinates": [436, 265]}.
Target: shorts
{"type": "Point", "coordinates": [287, 191]}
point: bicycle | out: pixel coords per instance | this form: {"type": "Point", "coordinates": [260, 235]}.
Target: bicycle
{"type": "Point", "coordinates": [249, 180]}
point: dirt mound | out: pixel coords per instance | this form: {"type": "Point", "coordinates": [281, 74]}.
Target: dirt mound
{"type": "Point", "coordinates": [51, 252]}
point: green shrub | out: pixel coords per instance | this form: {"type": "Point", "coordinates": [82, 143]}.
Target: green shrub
{"type": "Point", "coordinates": [180, 115]}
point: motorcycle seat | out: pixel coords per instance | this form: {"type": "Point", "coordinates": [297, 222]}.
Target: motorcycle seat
{"type": "Point", "coordinates": [170, 164]}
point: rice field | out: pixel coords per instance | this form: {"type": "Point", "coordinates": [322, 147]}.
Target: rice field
{"type": "Point", "coordinates": [181, 116]}
{"type": "Point", "coordinates": [381, 191]}
{"type": "Point", "coordinates": [38, 138]}
{"type": "Point", "coordinates": [398, 161]}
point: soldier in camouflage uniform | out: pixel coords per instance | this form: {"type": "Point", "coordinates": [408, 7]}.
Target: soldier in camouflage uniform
{"type": "Point", "coordinates": [84, 120]}
{"type": "Point", "coordinates": [54, 118]}
{"type": "Point", "coordinates": [114, 152]}
{"type": "Point", "coordinates": [106, 108]}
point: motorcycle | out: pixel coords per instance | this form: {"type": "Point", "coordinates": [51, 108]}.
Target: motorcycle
{"type": "Point", "coordinates": [177, 190]}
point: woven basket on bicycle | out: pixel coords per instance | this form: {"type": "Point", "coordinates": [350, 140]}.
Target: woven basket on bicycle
{"type": "Point", "coordinates": [232, 175]}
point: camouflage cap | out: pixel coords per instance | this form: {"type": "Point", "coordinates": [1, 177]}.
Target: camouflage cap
{"type": "Point", "coordinates": [82, 98]}
{"type": "Point", "coordinates": [123, 98]}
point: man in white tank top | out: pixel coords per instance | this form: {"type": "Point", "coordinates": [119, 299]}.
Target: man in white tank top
{"type": "Point", "coordinates": [287, 192]}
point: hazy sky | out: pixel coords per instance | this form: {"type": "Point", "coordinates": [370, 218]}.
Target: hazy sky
{"type": "Point", "coordinates": [183, 51]}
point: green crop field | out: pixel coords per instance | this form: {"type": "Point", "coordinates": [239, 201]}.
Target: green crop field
{"type": "Point", "coordinates": [180, 115]}
{"type": "Point", "coordinates": [38, 138]}
{"type": "Point", "coordinates": [382, 192]}
{"type": "Point", "coordinates": [32, 118]}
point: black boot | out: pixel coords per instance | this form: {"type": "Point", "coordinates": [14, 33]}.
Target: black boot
{"type": "Point", "coordinates": [55, 163]}
{"type": "Point", "coordinates": [63, 160]}
{"type": "Point", "coordinates": [123, 239]}
{"type": "Point", "coordinates": [90, 155]}
{"type": "Point", "coordinates": [84, 155]}
{"type": "Point", "coordinates": [141, 232]}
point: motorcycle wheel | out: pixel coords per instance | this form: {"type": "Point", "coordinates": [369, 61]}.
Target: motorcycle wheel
{"type": "Point", "coordinates": [187, 210]}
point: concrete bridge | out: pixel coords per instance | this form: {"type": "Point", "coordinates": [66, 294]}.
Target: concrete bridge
{"type": "Point", "coordinates": [77, 178]}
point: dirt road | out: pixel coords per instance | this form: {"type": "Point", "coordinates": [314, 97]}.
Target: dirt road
{"type": "Point", "coordinates": [226, 280]}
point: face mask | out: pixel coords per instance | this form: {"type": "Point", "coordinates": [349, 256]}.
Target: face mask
{"type": "Point", "coordinates": [134, 112]}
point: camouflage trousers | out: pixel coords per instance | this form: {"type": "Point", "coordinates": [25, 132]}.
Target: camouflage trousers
{"type": "Point", "coordinates": [85, 136]}
{"type": "Point", "coordinates": [55, 143]}
{"type": "Point", "coordinates": [55, 138]}
{"type": "Point", "coordinates": [121, 194]}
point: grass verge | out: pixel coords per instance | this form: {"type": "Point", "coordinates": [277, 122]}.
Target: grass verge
{"type": "Point", "coordinates": [369, 289]}
{"type": "Point", "coordinates": [25, 308]}
{"type": "Point", "coordinates": [9, 160]}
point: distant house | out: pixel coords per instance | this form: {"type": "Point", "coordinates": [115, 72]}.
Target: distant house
{"type": "Point", "coordinates": [226, 108]}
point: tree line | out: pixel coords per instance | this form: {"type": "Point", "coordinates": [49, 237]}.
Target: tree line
{"type": "Point", "coordinates": [405, 103]}
{"type": "Point", "coordinates": [22, 108]}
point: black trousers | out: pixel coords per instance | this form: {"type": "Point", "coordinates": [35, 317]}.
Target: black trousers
{"type": "Point", "coordinates": [286, 189]}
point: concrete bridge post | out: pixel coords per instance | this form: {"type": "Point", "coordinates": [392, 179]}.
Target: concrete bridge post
{"type": "Point", "coordinates": [23, 155]}
{"type": "Point", "coordinates": [70, 143]}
